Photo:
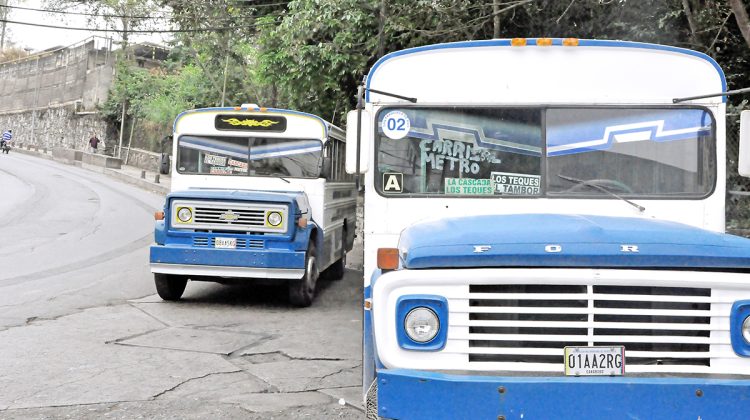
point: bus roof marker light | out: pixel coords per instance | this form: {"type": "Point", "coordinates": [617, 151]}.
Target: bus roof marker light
{"type": "Point", "coordinates": [387, 258]}
{"type": "Point", "coordinates": [518, 42]}
{"type": "Point", "coordinates": [570, 42]}
{"type": "Point", "coordinates": [544, 42]}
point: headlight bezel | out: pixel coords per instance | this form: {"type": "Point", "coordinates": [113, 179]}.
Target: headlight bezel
{"type": "Point", "coordinates": [179, 210]}
{"type": "Point", "coordinates": [739, 318]}
{"type": "Point", "coordinates": [272, 213]}
{"type": "Point", "coordinates": [408, 303]}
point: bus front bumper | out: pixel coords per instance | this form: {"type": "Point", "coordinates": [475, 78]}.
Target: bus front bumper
{"type": "Point", "coordinates": [412, 394]}
{"type": "Point", "coordinates": [262, 264]}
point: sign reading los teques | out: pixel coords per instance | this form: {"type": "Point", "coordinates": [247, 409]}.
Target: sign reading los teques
{"type": "Point", "coordinates": [268, 123]}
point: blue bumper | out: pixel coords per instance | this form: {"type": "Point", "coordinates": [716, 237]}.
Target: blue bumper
{"type": "Point", "coordinates": [265, 258]}
{"type": "Point", "coordinates": [411, 394]}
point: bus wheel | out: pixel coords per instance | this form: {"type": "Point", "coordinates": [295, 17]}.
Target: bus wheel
{"type": "Point", "coordinates": [302, 291]}
{"type": "Point", "coordinates": [169, 287]}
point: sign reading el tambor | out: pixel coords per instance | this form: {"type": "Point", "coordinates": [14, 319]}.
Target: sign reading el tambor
{"type": "Point", "coordinates": [267, 123]}
{"type": "Point", "coordinates": [516, 184]}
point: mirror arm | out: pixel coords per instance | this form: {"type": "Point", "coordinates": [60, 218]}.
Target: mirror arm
{"type": "Point", "coordinates": [360, 92]}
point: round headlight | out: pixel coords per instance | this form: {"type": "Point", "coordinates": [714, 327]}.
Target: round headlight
{"type": "Point", "coordinates": [274, 218]}
{"type": "Point", "coordinates": [184, 214]}
{"type": "Point", "coordinates": [421, 324]}
{"type": "Point", "coordinates": [746, 330]}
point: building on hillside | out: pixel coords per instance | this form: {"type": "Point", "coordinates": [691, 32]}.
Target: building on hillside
{"type": "Point", "coordinates": [50, 98]}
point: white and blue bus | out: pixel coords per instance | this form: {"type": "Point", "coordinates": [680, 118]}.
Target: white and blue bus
{"type": "Point", "coordinates": [256, 194]}
{"type": "Point", "coordinates": [543, 234]}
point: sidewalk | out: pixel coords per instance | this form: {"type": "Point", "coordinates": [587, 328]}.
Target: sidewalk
{"type": "Point", "coordinates": [149, 180]}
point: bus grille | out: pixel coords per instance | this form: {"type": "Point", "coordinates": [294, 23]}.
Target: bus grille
{"type": "Point", "coordinates": [244, 217]}
{"type": "Point", "coordinates": [522, 323]}
{"type": "Point", "coordinates": [220, 216]}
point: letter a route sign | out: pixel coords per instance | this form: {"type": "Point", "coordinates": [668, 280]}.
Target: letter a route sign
{"type": "Point", "coordinates": [393, 182]}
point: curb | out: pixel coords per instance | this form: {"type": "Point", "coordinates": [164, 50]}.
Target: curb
{"type": "Point", "coordinates": [113, 173]}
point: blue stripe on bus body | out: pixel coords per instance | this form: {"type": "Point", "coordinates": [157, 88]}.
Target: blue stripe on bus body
{"type": "Point", "coordinates": [555, 42]}
{"type": "Point", "coordinates": [410, 394]}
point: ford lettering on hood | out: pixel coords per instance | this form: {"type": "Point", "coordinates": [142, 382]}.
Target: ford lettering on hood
{"type": "Point", "coordinates": [549, 240]}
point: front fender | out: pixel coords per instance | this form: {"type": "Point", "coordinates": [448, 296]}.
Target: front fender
{"type": "Point", "coordinates": [160, 232]}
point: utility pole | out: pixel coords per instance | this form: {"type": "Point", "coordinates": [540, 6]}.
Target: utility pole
{"type": "Point", "coordinates": [496, 18]}
{"type": "Point", "coordinates": [125, 101]}
{"type": "Point", "coordinates": [4, 14]}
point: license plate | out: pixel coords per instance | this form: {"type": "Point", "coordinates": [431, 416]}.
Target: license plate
{"type": "Point", "coordinates": [595, 361]}
{"type": "Point", "coordinates": [225, 243]}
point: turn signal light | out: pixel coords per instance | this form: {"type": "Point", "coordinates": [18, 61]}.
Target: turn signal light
{"type": "Point", "coordinates": [543, 42]}
{"type": "Point", "coordinates": [518, 42]}
{"type": "Point", "coordinates": [302, 222]}
{"type": "Point", "coordinates": [387, 258]}
{"type": "Point", "coordinates": [570, 42]}
{"type": "Point", "coordinates": [159, 215]}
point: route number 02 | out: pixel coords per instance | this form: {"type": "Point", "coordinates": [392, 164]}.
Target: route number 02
{"type": "Point", "coordinates": [396, 125]}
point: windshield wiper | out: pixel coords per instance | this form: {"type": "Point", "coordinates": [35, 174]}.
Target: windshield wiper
{"type": "Point", "coordinates": [600, 188]}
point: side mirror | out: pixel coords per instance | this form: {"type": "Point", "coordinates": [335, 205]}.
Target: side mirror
{"type": "Point", "coordinates": [743, 166]}
{"type": "Point", "coordinates": [363, 151]}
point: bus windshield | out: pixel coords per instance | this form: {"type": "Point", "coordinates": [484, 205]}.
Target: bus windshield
{"type": "Point", "coordinates": [545, 152]}
{"type": "Point", "coordinates": [249, 156]}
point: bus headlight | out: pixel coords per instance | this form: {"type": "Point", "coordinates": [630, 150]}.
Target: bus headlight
{"type": "Point", "coordinates": [184, 214]}
{"type": "Point", "coordinates": [746, 329]}
{"type": "Point", "coordinates": [274, 218]}
{"type": "Point", "coordinates": [421, 324]}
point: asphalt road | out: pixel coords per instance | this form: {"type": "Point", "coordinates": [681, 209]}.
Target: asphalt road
{"type": "Point", "coordinates": [83, 335]}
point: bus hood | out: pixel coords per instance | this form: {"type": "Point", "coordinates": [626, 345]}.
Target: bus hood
{"type": "Point", "coordinates": [552, 240]}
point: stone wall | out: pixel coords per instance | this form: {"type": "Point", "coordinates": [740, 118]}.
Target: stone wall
{"type": "Point", "coordinates": [56, 127]}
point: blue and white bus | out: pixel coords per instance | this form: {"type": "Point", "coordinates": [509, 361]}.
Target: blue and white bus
{"type": "Point", "coordinates": [256, 194]}
{"type": "Point", "coordinates": [543, 234]}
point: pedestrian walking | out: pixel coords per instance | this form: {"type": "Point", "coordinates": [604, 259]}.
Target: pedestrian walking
{"type": "Point", "coordinates": [6, 140]}
{"type": "Point", "coordinates": [93, 143]}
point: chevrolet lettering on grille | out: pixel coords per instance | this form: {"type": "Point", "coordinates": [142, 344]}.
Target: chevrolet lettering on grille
{"type": "Point", "coordinates": [229, 216]}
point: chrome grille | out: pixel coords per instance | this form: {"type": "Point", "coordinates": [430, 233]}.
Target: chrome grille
{"type": "Point", "coordinates": [222, 216]}
{"type": "Point", "coordinates": [246, 217]}
{"type": "Point", "coordinates": [255, 243]}
{"type": "Point", "coordinates": [522, 323]}
{"type": "Point", "coordinates": [200, 241]}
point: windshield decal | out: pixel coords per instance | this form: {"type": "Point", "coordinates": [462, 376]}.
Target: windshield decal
{"type": "Point", "coordinates": [579, 136]}
{"type": "Point", "coordinates": [508, 183]}
{"type": "Point", "coordinates": [469, 186]}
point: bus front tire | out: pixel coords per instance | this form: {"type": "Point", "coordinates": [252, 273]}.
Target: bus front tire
{"type": "Point", "coordinates": [169, 287]}
{"type": "Point", "coordinates": [302, 291]}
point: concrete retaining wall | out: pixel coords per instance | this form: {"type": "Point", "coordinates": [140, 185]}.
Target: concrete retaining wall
{"type": "Point", "coordinates": [143, 159]}
{"type": "Point", "coordinates": [101, 160]}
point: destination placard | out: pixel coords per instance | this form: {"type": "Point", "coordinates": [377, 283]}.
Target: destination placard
{"type": "Point", "coordinates": [508, 183]}
{"type": "Point", "coordinates": [468, 186]}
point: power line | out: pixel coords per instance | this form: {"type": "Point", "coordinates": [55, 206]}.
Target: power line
{"type": "Point", "coordinates": [106, 15]}
{"type": "Point", "coordinates": [138, 31]}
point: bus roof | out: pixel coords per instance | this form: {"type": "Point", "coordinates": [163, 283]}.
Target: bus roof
{"type": "Point", "coordinates": [206, 115]}
{"type": "Point", "coordinates": [592, 72]}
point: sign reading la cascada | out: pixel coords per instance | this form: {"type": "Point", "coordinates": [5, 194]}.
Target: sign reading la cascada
{"type": "Point", "coordinates": [268, 123]}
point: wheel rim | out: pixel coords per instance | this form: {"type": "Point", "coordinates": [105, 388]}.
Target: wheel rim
{"type": "Point", "coordinates": [312, 275]}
